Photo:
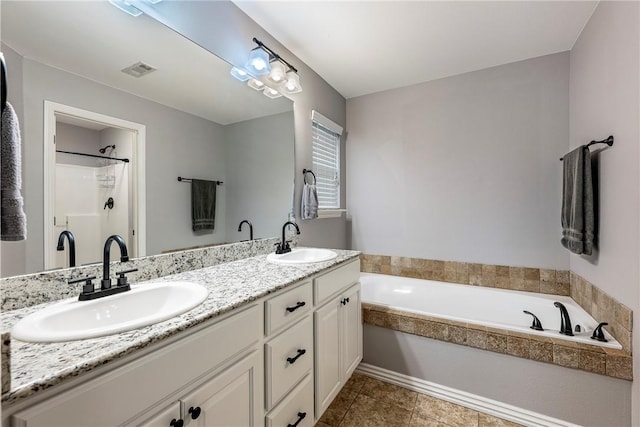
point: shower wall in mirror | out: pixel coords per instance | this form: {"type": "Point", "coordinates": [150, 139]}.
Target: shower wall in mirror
{"type": "Point", "coordinates": [200, 122]}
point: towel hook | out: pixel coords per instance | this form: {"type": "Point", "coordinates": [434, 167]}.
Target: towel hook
{"type": "Point", "coordinates": [305, 172]}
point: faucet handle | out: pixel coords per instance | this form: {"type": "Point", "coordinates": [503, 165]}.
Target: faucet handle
{"type": "Point", "coordinates": [598, 334]}
{"type": "Point", "coordinates": [122, 279]}
{"type": "Point", "coordinates": [87, 288]}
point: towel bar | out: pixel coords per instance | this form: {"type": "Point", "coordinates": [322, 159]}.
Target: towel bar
{"type": "Point", "coordinates": [181, 179]}
{"type": "Point", "coordinates": [608, 141]}
{"type": "Point", "coordinates": [305, 172]}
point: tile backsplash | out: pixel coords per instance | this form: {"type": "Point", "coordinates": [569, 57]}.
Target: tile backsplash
{"type": "Point", "coordinates": [31, 289]}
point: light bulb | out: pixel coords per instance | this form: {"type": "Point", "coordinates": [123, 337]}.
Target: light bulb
{"type": "Point", "coordinates": [256, 84]}
{"type": "Point", "coordinates": [292, 85]}
{"type": "Point", "coordinates": [258, 63]}
{"type": "Point", "coordinates": [271, 93]}
{"type": "Point", "coordinates": [278, 72]}
{"type": "Point", "coordinates": [240, 74]}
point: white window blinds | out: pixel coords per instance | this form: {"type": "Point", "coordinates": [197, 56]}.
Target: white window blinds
{"type": "Point", "coordinates": [325, 155]}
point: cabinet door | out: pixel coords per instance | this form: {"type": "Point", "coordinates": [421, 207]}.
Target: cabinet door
{"type": "Point", "coordinates": [351, 328]}
{"type": "Point", "coordinates": [232, 398]}
{"type": "Point", "coordinates": [164, 418]}
{"type": "Point", "coordinates": [328, 361]}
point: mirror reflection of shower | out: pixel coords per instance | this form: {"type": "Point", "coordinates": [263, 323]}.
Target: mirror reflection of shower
{"type": "Point", "coordinates": [84, 182]}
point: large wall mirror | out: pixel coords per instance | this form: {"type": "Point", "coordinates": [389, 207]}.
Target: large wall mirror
{"type": "Point", "coordinates": [197, 120]}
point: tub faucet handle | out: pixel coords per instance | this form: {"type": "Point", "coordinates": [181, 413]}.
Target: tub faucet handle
{"type": "Point", "coordinates": [598, 334]}
{"type": "Point", "coordinates": [536, 322]}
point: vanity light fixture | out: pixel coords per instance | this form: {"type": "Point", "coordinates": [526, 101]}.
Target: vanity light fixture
{"type": "Point", "coordinates": [126, 7]}
{"type": "Point", "coordinates": [292, 83]}
{"type": "Point", "coordinates": [280, 76]}
{"type": "Point", "coordinates": [256, 84]}
{"type": "Point", "coordinates": [129, 7]}
{"type": "Point", "coordinates": [240, 74]}
{"type": "Point", "coordinates": [271, 93]}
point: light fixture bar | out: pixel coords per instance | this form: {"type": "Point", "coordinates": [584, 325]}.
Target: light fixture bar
{"type": "Point", "coordinates": [275, 55]}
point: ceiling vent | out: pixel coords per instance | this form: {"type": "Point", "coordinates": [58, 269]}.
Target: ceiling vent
{"type": "Point", "coordinates": [138, 69]}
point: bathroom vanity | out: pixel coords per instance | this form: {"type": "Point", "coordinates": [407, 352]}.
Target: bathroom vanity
{"type": "Point", "coordinates": [271, 345]}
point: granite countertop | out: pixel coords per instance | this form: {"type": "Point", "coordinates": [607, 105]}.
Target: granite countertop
{"type": "Point", "coordinates": [38, 366]}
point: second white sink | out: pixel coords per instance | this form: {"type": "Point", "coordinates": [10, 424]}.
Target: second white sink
{"type": "Point", "coordinates": [302, 256]}
{"type": "Point", "coordinates": [143, 305]}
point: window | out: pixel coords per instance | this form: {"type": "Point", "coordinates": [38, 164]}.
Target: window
{"type": "Point", "coordinates": [325, 155]}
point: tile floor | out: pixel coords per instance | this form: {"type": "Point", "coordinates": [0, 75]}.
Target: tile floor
{"type": "Point", "coordinates": [369, 402]}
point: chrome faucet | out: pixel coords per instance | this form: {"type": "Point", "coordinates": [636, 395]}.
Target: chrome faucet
{"type": "Point", "coordinates": [565, 321]}
{"type": "Point", "coordinates": [72, 246]}
{"type": "Point", "coordinates": [250, 228]}
{"type": "Point", "coordinates": [283, 247]}
{"type": "Point", "coordinates": [106, 257]}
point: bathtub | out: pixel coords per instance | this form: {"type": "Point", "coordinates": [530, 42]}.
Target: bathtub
{"type": "Point", "coordinates": [496, 308]}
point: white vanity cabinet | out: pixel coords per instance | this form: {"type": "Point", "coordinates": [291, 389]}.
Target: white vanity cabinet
{"type": "Point", "coordinates": [231, 398]}
{"type": "Point", "coordinates": [289, 357]}
{"type": "Point", "coordinates": [276, 361]}
{"type": "Point", "coordinates": [337, 332]}
{"type": "Point", "coordinates": [145, 390]}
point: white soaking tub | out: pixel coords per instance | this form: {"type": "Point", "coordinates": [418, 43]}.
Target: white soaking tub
{"type": "Point", "coordinates": [497, 308]}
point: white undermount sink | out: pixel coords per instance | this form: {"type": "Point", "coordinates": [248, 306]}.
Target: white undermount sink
{"type": "Point", "coordinates": [302, 256]}
{"type": "Point", "coordinates": [143, 305]}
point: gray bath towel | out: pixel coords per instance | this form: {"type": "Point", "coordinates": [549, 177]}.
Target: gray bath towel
{"type": "Point", "coordinates": [309, 208]}
{"type": "Point", "coordinates": [203, 204]}
{"type": "Point", "coordinates": [578, 224]}
{"type": "Point", "coordinates": [13, 221]}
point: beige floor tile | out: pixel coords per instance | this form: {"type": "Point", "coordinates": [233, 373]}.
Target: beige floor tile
{"type": "Point", "coordinates": [321, 424]}
{"type": "Point", "coordinates": [418, 420]}
{"type": "Point", "coordinates": [485, 420]}
{"type": "Point", "coordinates": [369, 412]}
{"type": "Point", "coordinates": [339, 407]}
{"type": "Point", "coordinates": [390, 393]}
{"type": "Point", "coordinates": [447, 412]}
{"type": "Point", "coordinates": [356, 382]}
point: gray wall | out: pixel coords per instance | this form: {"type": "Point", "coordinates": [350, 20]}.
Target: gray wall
{"type": "Point", "coordinates": [225, 30]}
{"type": "Point", "coordinates": [176, 144]}
{"type": "Point", "coordinates": [262, 150]}
{"type": "Point", "coordinates": [605, 100]}
{"type": "Point", "coordinates": [79, 140]}
{"type": "Point", "coordinates": [463, 168]}
{"type": "Point", "coordinates": [568, 394]}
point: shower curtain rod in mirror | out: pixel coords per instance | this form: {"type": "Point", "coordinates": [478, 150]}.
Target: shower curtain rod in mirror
{"type": "Point", "coordinates": [93, 155]}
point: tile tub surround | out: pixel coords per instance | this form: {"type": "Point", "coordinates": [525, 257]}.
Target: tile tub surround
{"type": "Point", "coordinates": [35, 367]}
{"type": "Point", "coordinates": [31, 289]}
{"type": "Point", "coordinates": [544, 281]}
{"type": "Point", "coordinates": [598, 360]}
{"type": "Point", "coordinates": [594, 301]}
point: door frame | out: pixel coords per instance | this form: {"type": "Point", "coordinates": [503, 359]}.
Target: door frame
{"type": "Point", "coordinates": [51, 109]}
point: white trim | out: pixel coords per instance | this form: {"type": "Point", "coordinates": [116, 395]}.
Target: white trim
{"type": "Point", "coordinates": [326, 122]}
{"type": "Point", "coordinates": [330, 213]}
{"type": "Point", "coordinates": [459, 397]}
{"type": "Point", "coordinates": [138, 159]}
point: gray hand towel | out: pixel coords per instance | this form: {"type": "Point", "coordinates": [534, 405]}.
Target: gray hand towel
{"type": "Point", "coordinates": [13, 221]}
{"type": "Point", "coordinates": [578, 224]}
{"type": "Point", "coordinates": [309, 208]}
{"type": "Point", "coordinates": [203, 204]}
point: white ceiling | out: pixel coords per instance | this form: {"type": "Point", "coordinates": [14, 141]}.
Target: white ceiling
{"type": "Point", "coordinates": [95, 40]}
{"type": "Point", "coordinates": [362, 47]}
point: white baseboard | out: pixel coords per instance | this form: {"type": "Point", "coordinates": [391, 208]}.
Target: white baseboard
{"type": "Point", "coordinates": [468, 400]}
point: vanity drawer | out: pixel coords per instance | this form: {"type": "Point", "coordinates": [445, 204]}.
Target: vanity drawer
{"type": "Point", "coordinates": [336, 280]}
{"type": "Point", "coordinates": [286, 307]}
{"type": "Point", "coordinates": [288, 358]}
{"type": "Point", "coordinates": [298, 402]}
